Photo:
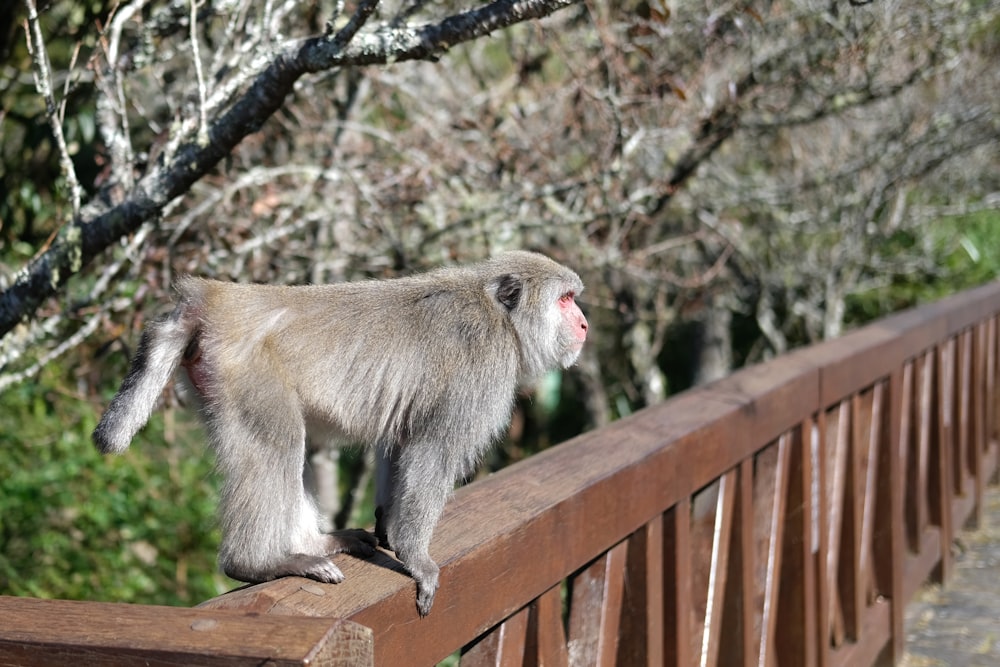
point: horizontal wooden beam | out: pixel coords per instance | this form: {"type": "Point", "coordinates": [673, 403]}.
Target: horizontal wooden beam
{"type": "Point", "coordinates": [65, 632]}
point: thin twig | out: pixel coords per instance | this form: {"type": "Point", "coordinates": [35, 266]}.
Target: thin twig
{"type": "Point", "coordinates": [42, 71]}
{"type": "Point", "coordinates": [196, 56]}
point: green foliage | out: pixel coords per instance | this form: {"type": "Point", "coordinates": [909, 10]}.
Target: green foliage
{"type": "Point", "coordinates": [33, 191]}
{"type": "Point", "coordinates": [76, 525]}
{"type": "Point", "coordinates": [965, 251]}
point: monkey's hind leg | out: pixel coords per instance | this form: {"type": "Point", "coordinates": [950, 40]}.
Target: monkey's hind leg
{"type": "Point", "coordinates": [270, 528]}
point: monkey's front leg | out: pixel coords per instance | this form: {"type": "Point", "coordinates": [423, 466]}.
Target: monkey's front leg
{"type": "Point", "coordinates": [422, 485]}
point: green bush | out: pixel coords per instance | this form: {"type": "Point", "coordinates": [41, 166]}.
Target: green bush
{"type": "Point", "coordinates": [965, 253]}
{"type": "Point", "coordinates": [77, 525]}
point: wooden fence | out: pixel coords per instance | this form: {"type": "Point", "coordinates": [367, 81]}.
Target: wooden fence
{"type": "Point", "coordinates": [780, 517]}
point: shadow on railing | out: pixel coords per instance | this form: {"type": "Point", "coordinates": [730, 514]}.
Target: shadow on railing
{"type": "Point", "coordinates": [782, 516]}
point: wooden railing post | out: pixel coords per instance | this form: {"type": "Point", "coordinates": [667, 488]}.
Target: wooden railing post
{"type": "Point", "coordinates": [677, 585]}
{"type": "Point", "coordinates": [797, 603]}
{"type": "Point", "coordinates": [941, 493]}
{"type": "Point", "coordinates": [890, 519]}
{"type": "Point", "coordinates": [102, 634]}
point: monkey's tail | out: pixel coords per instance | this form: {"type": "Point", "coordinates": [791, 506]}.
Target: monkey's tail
{"type": "Point", "coordinates": [159, 353]}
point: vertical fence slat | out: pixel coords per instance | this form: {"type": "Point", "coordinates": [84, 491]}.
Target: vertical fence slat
{"type": "Point", "coordinates": [872, 442]}
{"type": "Point", "coordinates": [797, 589]}
{"type": "Point", "coordinates": [992, 341]}
{"type": "Point", "coordinates": [718, 570]}
{"type": "Point", "coordinates": [977, 434]}
{"type": "Point", "coordinates": [641, 640]}
{"type": "Point", "coordinates": [546, 641]}
{"type": "Point", "coordinates": [889, 534]}
{"type": "Point", "coordinates": [940, 487]}
{"type": "Point", "coordinates": [775, 527]}
{"type": "Point", "coordinates": [837, 523]}
{"type": "Point", "coordinates": [907, 456]}
{"type": "Point", "coordinates": [963, 457]}
{"type": "Point", "coordinates": [921, 488]}
{"type": "Point", "coordinates": [848, 570]}
{"type": "Point", "coordinates": [595, 609]}
{"type": "Point", "coordinates": [738, 619]}
{"type": "Point", "coordinates": [823, 594]}
{"type": "Point", "coordinates": [504, 646]}
{"type": "Point", "coordinates": [677, 584]}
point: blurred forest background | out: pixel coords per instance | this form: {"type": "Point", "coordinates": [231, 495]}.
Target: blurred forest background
{"type": "Point", "coordinates": [731, 179]}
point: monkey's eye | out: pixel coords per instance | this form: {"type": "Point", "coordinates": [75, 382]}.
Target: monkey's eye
{"type": "Point", "coordinates": [567, 297]}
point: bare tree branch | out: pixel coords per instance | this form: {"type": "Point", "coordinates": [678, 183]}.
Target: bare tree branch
{"type": "Point", "coordinates": [102, 222]}
{"type": "Point", "coordinates": [43, 83]}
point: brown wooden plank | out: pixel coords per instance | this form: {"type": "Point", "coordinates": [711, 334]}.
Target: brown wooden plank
{"type": "Point", "coordinates": [939, 484]}
{"type": "Point", "coordinates": [919, 566]}
{"type": "Point", "coordinates": [969, 306]}
{"type": "Point", "coordinates": [642, 623]}
{"type": "Point", "coordinates": [504, 646]}
{"type": "Point", "coordinates": [835, 498]}
{"type": "Point", "coordinates": [990, 398]}
{"type": "Point", "coordinates": [823, 593]}
{"type": "Point", "coordinates": [775, 532]}
{"type": "Point", "coordinates": [849, 574]}
{"type": "Point", "coordinates": [979, 366]}
{"type": "Point", "coordinates": [796, 612]}
{"type": "Point", "coordinates": [889, 535]}
{"type": "Point", "coordinates": [962, 469]}
{"type": "Point", "coordinates": [677, 585]}
{"type": "Point", "coordinates": [907, 447]}
{"type": "Point", "coordinates": [738, 613]}
{"type": "Point", "coordinates": [920, 490]}
{"type": "Point", "coordinates": [714, 632]}
{"type": "Point", "coordinates": [39, 632]}
{"type": "Point", "coordinates": [546, 640]}
{"type": "Point", "coordinates": [872, 441]}
{"type": "Point", "coordinates": [963, 504]}
{"type": "Point", "coordinates": [595, 609]}
{"type": "Point", "coordinates": [866, 650]}
{"type": "Point", "coordinates": [704, 510]}
{"type": "Point", "coordinates": [854, 361]}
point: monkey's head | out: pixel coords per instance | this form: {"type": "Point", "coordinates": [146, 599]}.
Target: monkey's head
{"type": "Point", "coordinates": [540, 298]}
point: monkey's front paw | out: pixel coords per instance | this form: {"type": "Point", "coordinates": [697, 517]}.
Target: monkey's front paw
{"type": "Point", "coordinates": [425, 597]}
{"type": "Point", "coordinates": [354, 541]}
{"type": "Point", "coordinates": [426, 575]}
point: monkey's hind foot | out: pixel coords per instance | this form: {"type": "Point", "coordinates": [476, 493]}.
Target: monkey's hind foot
{"type": "Point", "coordinates": [318, 568]}
{"type": "Point", "coordinates": [315, 567]}
{"type": "Point", "coordinates": [354, 541]}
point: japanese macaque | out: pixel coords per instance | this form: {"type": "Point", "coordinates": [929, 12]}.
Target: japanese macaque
{"type": "Point", "coordinates": [423, 368]}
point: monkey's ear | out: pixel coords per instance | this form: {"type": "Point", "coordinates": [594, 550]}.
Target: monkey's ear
{"type": "Point", "coordinates": [507, 289]}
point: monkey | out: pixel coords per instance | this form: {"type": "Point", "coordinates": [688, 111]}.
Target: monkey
{"type": "Point", "coordinates": [423, 368]}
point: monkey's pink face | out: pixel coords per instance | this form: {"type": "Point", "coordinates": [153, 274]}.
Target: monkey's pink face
{"type": "Point", "coordinates": [575, 325]}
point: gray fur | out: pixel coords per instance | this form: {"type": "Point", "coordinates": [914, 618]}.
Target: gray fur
{"type": "Point", "coordinates": [425, 368]}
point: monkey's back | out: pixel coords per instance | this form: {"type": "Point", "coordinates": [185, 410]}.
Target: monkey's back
{"type": "Point", "coordinates": [383, 359]}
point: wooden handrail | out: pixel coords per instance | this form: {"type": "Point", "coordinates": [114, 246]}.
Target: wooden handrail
{"type": "Point", "coordinates": [783, 515]}
{"type": "Point", "coordinates": [66, 632]}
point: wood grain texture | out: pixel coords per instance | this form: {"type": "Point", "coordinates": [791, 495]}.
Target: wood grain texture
{"type": "Point", "coordinates": [62, 632]}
